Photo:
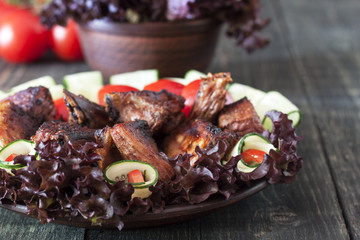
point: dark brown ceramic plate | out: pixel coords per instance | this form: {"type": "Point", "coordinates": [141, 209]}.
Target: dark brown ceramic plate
{"type": "Point", "coordinates": [171, 214]}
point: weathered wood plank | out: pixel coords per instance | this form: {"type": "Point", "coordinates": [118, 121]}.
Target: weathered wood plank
{"type": "Point", "coordinates": [16, 226]}
{"type": "Point", "coordinates": [328, 62]}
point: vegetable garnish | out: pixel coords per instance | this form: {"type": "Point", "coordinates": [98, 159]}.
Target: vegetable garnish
{"type": "Point", "coordinates": [11, 157]}
{"type": "Point", "coordinates": [135, 176]}
{"type": "Point", "coordinates": [253, 157]}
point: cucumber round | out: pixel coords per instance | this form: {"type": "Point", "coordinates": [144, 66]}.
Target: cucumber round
{"type": "Point", "coordinates": [192, 75]}
{"type": "Point", "coordinates": [57, 91]}
{"type": "Point", "coordinates": [138, 79]}
{"type": "Point", "coordinates": [3, 95]}
{"type": "Point", "coordinates": [87, 84]}
{"type": "Point", "coordinates": [239, 91]}
{"type": "Point", "coordinates": [118, 171]}
{"type": "Point", "coordinates": [274, 100]}
{"type": "Point", "coordinates": [46, 81]}
{"type": "Point", "coordinates": [20, 147]}
{"type": "Point", "coordinates": [250, 141]}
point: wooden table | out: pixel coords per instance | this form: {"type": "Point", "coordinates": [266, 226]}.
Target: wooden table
{"type": "Point", "coordinates": [314, 59]}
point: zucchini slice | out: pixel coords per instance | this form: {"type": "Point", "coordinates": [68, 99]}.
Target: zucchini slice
{"type": "Point", "coordinates": [192, 75]}
{"type": "Point", "coordinates": [118, 171]}
{"type": "Point", "coordinates": [46, 81]}
{"type": "Point", "coordinates": [87, 84]}
{"type": "Point", "coordinates": [138, 79]}
{"type": "Point", "coordinates": [20, 147]}
{"type": "Point", "coordinates": [57, 91]}
{"type": "Point", "coordinates": [274, 100]}
{"type": "Point", "coordinates": [250, 141]}
{"type": "Point", "coordinates": [3, 95]}
{"type": "Point", "coordinates": [239, 91]}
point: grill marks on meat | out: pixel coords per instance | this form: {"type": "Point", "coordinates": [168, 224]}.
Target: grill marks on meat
{"type": "Point", "coordinates": [161, 110]}
{"type": "Point", "coordinates": [63, 132]}
{"type": "Point", "coordinates": [240, 117]}
{"type": "Point", "coordinates": [134, 141]}
{"type": "Point", "coordinates": [22, 113]}
{"type": "Point", "coordinates": [84, 112]}
{"type": "Point", "coordinates": [196, 133]}
{"type": "Point", "coordinates": [211, 97]}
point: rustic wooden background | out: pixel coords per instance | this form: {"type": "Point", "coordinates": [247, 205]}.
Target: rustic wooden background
{"type": "Point", "coordinates": [314, 59]}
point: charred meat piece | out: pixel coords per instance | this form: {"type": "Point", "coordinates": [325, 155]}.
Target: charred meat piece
{"type": "Point", "coordinates": [22, 113]}
{"type": "Point", "coordinates": [196, 133]}
{"type": "Point", "coordinates": [63, 132]}
{"type": "Point", "coordinates": [161, 110]}
{"type": "Point", "coordinates": [211, 97]}
{"type": "Point", "coordinates": [84, 112]}
{"type": "Point", "coordinates": [240, 117]}
{"type": "Point", "coordinates": [108, 151]}
{"type": "Point", "coordinates": [134, 141]}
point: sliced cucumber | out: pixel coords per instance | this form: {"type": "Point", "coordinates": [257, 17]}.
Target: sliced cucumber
{"type": "Point", "coordinates": [57, 91]}
{"type": "Point", "coordinates": [274, 100]}
{"type": "Point", "coordinates": [87, 84]}
{"type": "Point", "coordinates": [250, 141]}
{"type": "Point", "coordinates": [239, 91]}
{"type": "Point", "coordinates": [138, 79]}
{"type": "Point", "coordinates": [118, 171]}
{"type": "Point", "coordinates": [45, 81]}
{"type": "Point", "coordinates": [182, 81]}
{"type": "Point", "coordinates": [3, 95]}
{"type": "Point", "coordinates": [20, 147]}
{"type": "Point", "coordinates": [192, 75]}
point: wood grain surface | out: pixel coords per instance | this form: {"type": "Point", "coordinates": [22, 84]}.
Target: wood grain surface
{"type": "Point", "coordinates": [314, 59]}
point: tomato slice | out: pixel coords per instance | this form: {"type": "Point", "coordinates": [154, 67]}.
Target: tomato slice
{"type": "Point", "coordinates": [168, 85]}
{"type": "Point", "coordinates": [189, 92]}
{"type": "Point", "coordinates": [113, 88]}
{"type": "Point", "coordinates": [11, 157]}
{"type": "Point", "coordinates": [135, 176]}
{"type": "Point", "coordinates": [253, 156]}
{"type": "Point", "coordinates": [61, 109]}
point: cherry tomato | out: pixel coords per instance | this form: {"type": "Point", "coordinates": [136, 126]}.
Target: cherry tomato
{"type": "Point", "coordinates": [166, 84]}
{"type": "Point", "coordinates": [135, 176]}
{"type": "Point", "coordinates": [61, 109]}
{"type": "Point", "coordinates": [253, 156]}
{"type": "Point", "coordinates": [189, 92]}
{"type": "Point", "coordinates": [112, 88]}
{"type": "Point", "coordinates": [22, 37]}
{"type": "Point", "coordinates": [11, 157]}
{"type": "Point", "coordinates": [65, 42]}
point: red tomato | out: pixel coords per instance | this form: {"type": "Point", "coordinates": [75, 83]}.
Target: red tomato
{"type": "Point", "coordinates": [166, 84]}
{"type": "Point", "coordinates": [189, 92]}
{"type": "Point", "coordinates": [22, 37]}
{"type": "Point", "coordinates": [112, 88]}
{"type": "Point", "coordinates": [65, 42]}
{"type": "Point", "coordinates": [61, 109]}
{"type": "Point", "coordinates": [11, 157]}
{"type": "Point", "coordinates": [135, 176]}
{"type": "Point", "coordinates": [253, 156]}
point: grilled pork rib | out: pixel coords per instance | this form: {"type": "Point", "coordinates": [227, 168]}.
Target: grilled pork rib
{"type": "Point", "coordinates": [108, 151]}
{"type": "Point", "coordinates": [84, 112]}
{"type": "Point", "coordinates": [161, 110]}
{"type": "Point", "coordinates": [63, 132]}
{"type": "Point", "coordinates": [211, 97]}
{"type": "Point", "coordinates": [22, 113]}
{"type": "Point", "coordinates": [196, 133]}
{"type": "Point", "coordinates": [134, 141]}
{"type": "Point", "coordinates": [240, 117]}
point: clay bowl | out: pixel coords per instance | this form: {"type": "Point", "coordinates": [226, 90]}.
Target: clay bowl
{"type": "Point", "coordinates": [171, 47]}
